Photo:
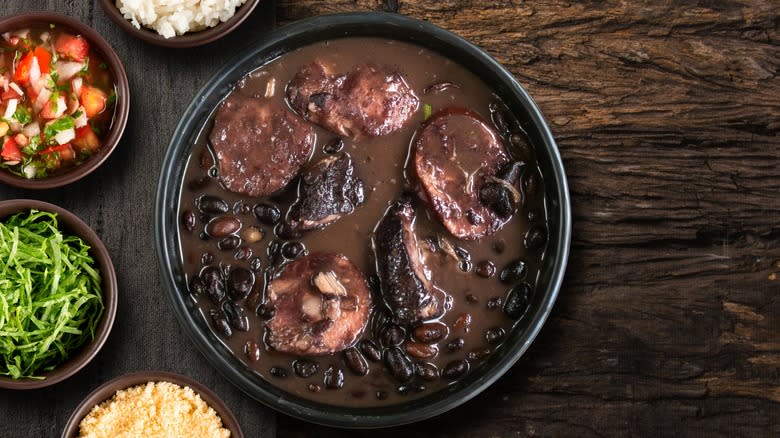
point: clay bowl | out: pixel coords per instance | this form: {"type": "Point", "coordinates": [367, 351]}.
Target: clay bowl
{"type": "Point", "coordinates": [71, 224]}
{"type": "Point", "coordinates": [397, 27]}
{"type": "Point", "coordinates": [190, 39]}
{"type": "Point", "coordinates": [121, 110]}
{"type": "Point", "coordinates": [107, 390]}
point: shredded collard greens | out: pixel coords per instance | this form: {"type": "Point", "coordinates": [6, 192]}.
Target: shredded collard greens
{"type": "Point", "coordinates": [50, 295]}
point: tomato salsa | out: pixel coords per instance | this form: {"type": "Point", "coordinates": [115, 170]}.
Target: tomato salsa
{"type": "Point", "coordinates": [57, 100]}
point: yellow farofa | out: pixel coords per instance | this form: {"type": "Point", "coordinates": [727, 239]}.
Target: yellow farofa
{"type": "Point", "coordinates": [155, 410]}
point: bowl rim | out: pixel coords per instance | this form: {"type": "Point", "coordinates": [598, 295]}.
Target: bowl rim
{"type": "Point", "coordinates": [168, 250]}
{"type": "Point", "coordinates": [189, 39]}
{"type": "Point", "coordinates": [73, 224]}
{"type": "Point", "coordinates": [107, 390]}
{"type": "Point", "coordinates": [121, 111]}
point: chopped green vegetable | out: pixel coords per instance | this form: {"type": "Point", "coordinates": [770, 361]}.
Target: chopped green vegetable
{"type": "Point", "coordinates": [23, 115]}
{"type": "Point", "coordinates": [50, 295]}
{"type": "Point", "coordinates": [427, 110]}
{"type": "Point", "coordinates": [61, 124]}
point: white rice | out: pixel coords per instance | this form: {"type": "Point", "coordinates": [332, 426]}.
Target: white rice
{"type": "Point", "coordinates": [176, 17]}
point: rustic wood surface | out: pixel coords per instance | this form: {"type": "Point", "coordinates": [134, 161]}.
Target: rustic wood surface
{"type": "Point", "coordinates": [667, 115]}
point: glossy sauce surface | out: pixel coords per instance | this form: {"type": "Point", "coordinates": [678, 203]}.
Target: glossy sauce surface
{"type": "Point", "coordinates": [468, 271]}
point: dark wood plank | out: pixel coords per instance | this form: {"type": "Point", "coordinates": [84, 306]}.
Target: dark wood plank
{"type": "Point", "coordinates": [667, 117]}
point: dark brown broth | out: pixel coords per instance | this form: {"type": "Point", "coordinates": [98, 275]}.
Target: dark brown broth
{"type": "Point", "coordinates": [380, 163]}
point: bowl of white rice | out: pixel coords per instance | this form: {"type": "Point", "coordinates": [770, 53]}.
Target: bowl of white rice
{"type": "Point", "coordinates": [179, 23]}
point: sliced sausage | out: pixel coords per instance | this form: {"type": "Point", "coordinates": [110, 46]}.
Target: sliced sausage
{"type": "Point", "coordinates": [326, 191]}
{"type": "Point", "coordinates": [321, 305]}
{"type": "Point", "coordinates": [404, 281]}
{"type": "Point", "coordinates": [370, 100]}
{"type": "Point", "coordinates": [455, 155]}
{"type": "Point", "coordinates": [259, 145]}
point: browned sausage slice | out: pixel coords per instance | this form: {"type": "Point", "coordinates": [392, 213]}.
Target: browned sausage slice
{"type": "Point", "coordinates": [259, 145]}
{"type": "Point", "coordinates": [455, 154]}
{"type": "Point", "coordinates": [370, 100]}
{"type": "Point", "coordinates": [326, 191]}
{"type": "Point", "coordinates": [406, 286]}
{"type": "Point", "coordinates": [321, 305]}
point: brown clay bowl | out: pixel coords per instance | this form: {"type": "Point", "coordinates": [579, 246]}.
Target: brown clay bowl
{"type": "Point", "coordinates": [121, 110]}
{"type": "Point", "coordinates": [108, 389]}
{"type": "Point", "coordinates": [190, 39]}
{"type": "Point", "coordinates": [71, 224]}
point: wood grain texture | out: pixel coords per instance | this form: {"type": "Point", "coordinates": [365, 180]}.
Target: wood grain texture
{"type": "Point", "coordinates": [667, 117]}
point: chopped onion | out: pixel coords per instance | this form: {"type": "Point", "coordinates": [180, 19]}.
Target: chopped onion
{"type": "Point", "coordinates": [10, 109]}
{"type": "Point", "coordinates": [31, 130]}
{"type": "Point", "coordinates": [62, 106]}
{"type": "Point", "coordinates": [16, 88]}
{"type": "Point", "coordinates": [75, 84]}
{"type": "Point", "coordinates": [65, 136]}
{"type": "Point", "coordinates": [67, 69]}
{"type": "Point", "coordinates": [40, 84]}
{"type": "Point", "coordinates": [45, 37]}
{"type": "Point", "coordinates": [35, 70]}
{"type": "Point", "coordinates": [43, 97]}
{"type": "Point", "coordinates": [29, 171]}
{"type": "Point", "coordinates": [7, 36]}
{"type": "Point", "coordinates": [81, 120]}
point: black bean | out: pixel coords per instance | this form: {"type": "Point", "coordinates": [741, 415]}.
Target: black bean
{"type": "Point", "coordinates": [197, 286]}
{"type": "Point", "coordinates": [305, 368]}
{"type": "Point", "coordinates": [243, 253]}
{"type": "Point", "coordinates": [279, 372]}
{"type": "Point", "coordinates": [513, 272]}
{"type": "Point", "coordinates": [430, 332]}
{"type": "Point", "coordinates": [535, 237]}
{"type": "Point", "coordinates": [478, 354]}
{"type": "Point", "coordinates": [189, 220]}
{"type": "Point", "coordinates": [356, 362]}
{"type": "Point", "coordinates": [485, 269]}
{"type": "Point", "coordinates": [517, 301]}
{"type": "Point", "coordinates": [198, 184]}
{"type": "Point", "coordinates": [255, 264]}
{"type": "Point", "coordinates": [392, 335]}
{"type": "Point", "coordinates": [291, 250]}
{"type": "Point", "coordinates": [210, 274]}
{"type": "Point", "coordinates": [213, 172]}
{"type": "Point", "coordinates": [252, 350]}
{"type": "Point", "coordinates": [240, 282]}
{"type": "Point", "coordinates": [240, 208]}
{"type": "Point", "coordinates": [494, 335]}
{"type": "Point", "coordinates": [465, 265]}
{"type": "Point", "coordinates": [285, 231]}
{"type": "Point", "coordinates": [498, 198]}
{"type": "Point", "coordinates": [530, 184]}
{"type": "Point", "coordinates": [518, 146]}
{"type": "Point", "coordinates": [334, 146]}
{"type": "Point", "coordinates": [495, 303]}
{"type": "Point", "coordinates": [455, 344]}
{"type": "Point", "coordinates": [220, 324]}
{"type": "Point", "coordinates": [203, 236]}
{"type": "Point", "coordinates": [267, 214]}
{"type": "Point", "coordinates": [500, 117]}
{"type": "Point", "coordinates": [370, 350]}
{"type": "Point", "coordinates": [206, 258]}
{"type": "Point", "coordinates": [229, 242]}
{"type": "Point", "coordinates": [399, 364]}
{"type": "Point", "coordinates": [462, 253]}
{"type": "Point", "coordinates": [236, 316]}
{"type": "Point", "coordinates": [265, 311]}
{"type": "Point", "coordinates": [426, 371]}
{"type": "Point", "coordinates": [334, 378]}
{"type": "Point", "coordinates": [212, 205]}
{"type": "Point", "coordinates": [511, 172]}
{"type": "Point", "coordinates": [533, 216]}
{"type": "Point", "coordinates": [215, 287]}
{"type": "Point", "coordinates": [455, 369]}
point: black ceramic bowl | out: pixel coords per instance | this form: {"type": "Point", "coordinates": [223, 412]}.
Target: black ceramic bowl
{"type": "Point", "coordinates": [390, 26]}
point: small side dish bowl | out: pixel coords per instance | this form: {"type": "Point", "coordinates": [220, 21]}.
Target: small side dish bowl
{"type": "Point", "coordinates": [72, 225]}
{"type": "Point", "coordinates": [189, 39]}
{"type": "Point", "coordinates": [115, 125]}
{"type": "Point", "coordinates": [107, 390]}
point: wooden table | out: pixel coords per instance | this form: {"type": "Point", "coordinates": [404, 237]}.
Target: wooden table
{"type": "Point", "coordinates": [667, 115]}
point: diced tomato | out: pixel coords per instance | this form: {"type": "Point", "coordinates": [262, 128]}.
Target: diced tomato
{"type": "Point", "coordinates": [53, 109]}
{"type": "Point", "coordinates": [22, 72]}
{"type": "Point", "coordinates": [86, 139]}
{"type": "Point", "coordinates": [65, 151]}
{"type": "Point", "coordinates": [44, 59]}
{"type": "Point", "coordinates": [10, 94]}
{"type": "Point", "coordinates": [11, 151]}
{"type": "Point", "coordinates": [93, 100]}
{"type": "Point", "coordinates": [73, 47]}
